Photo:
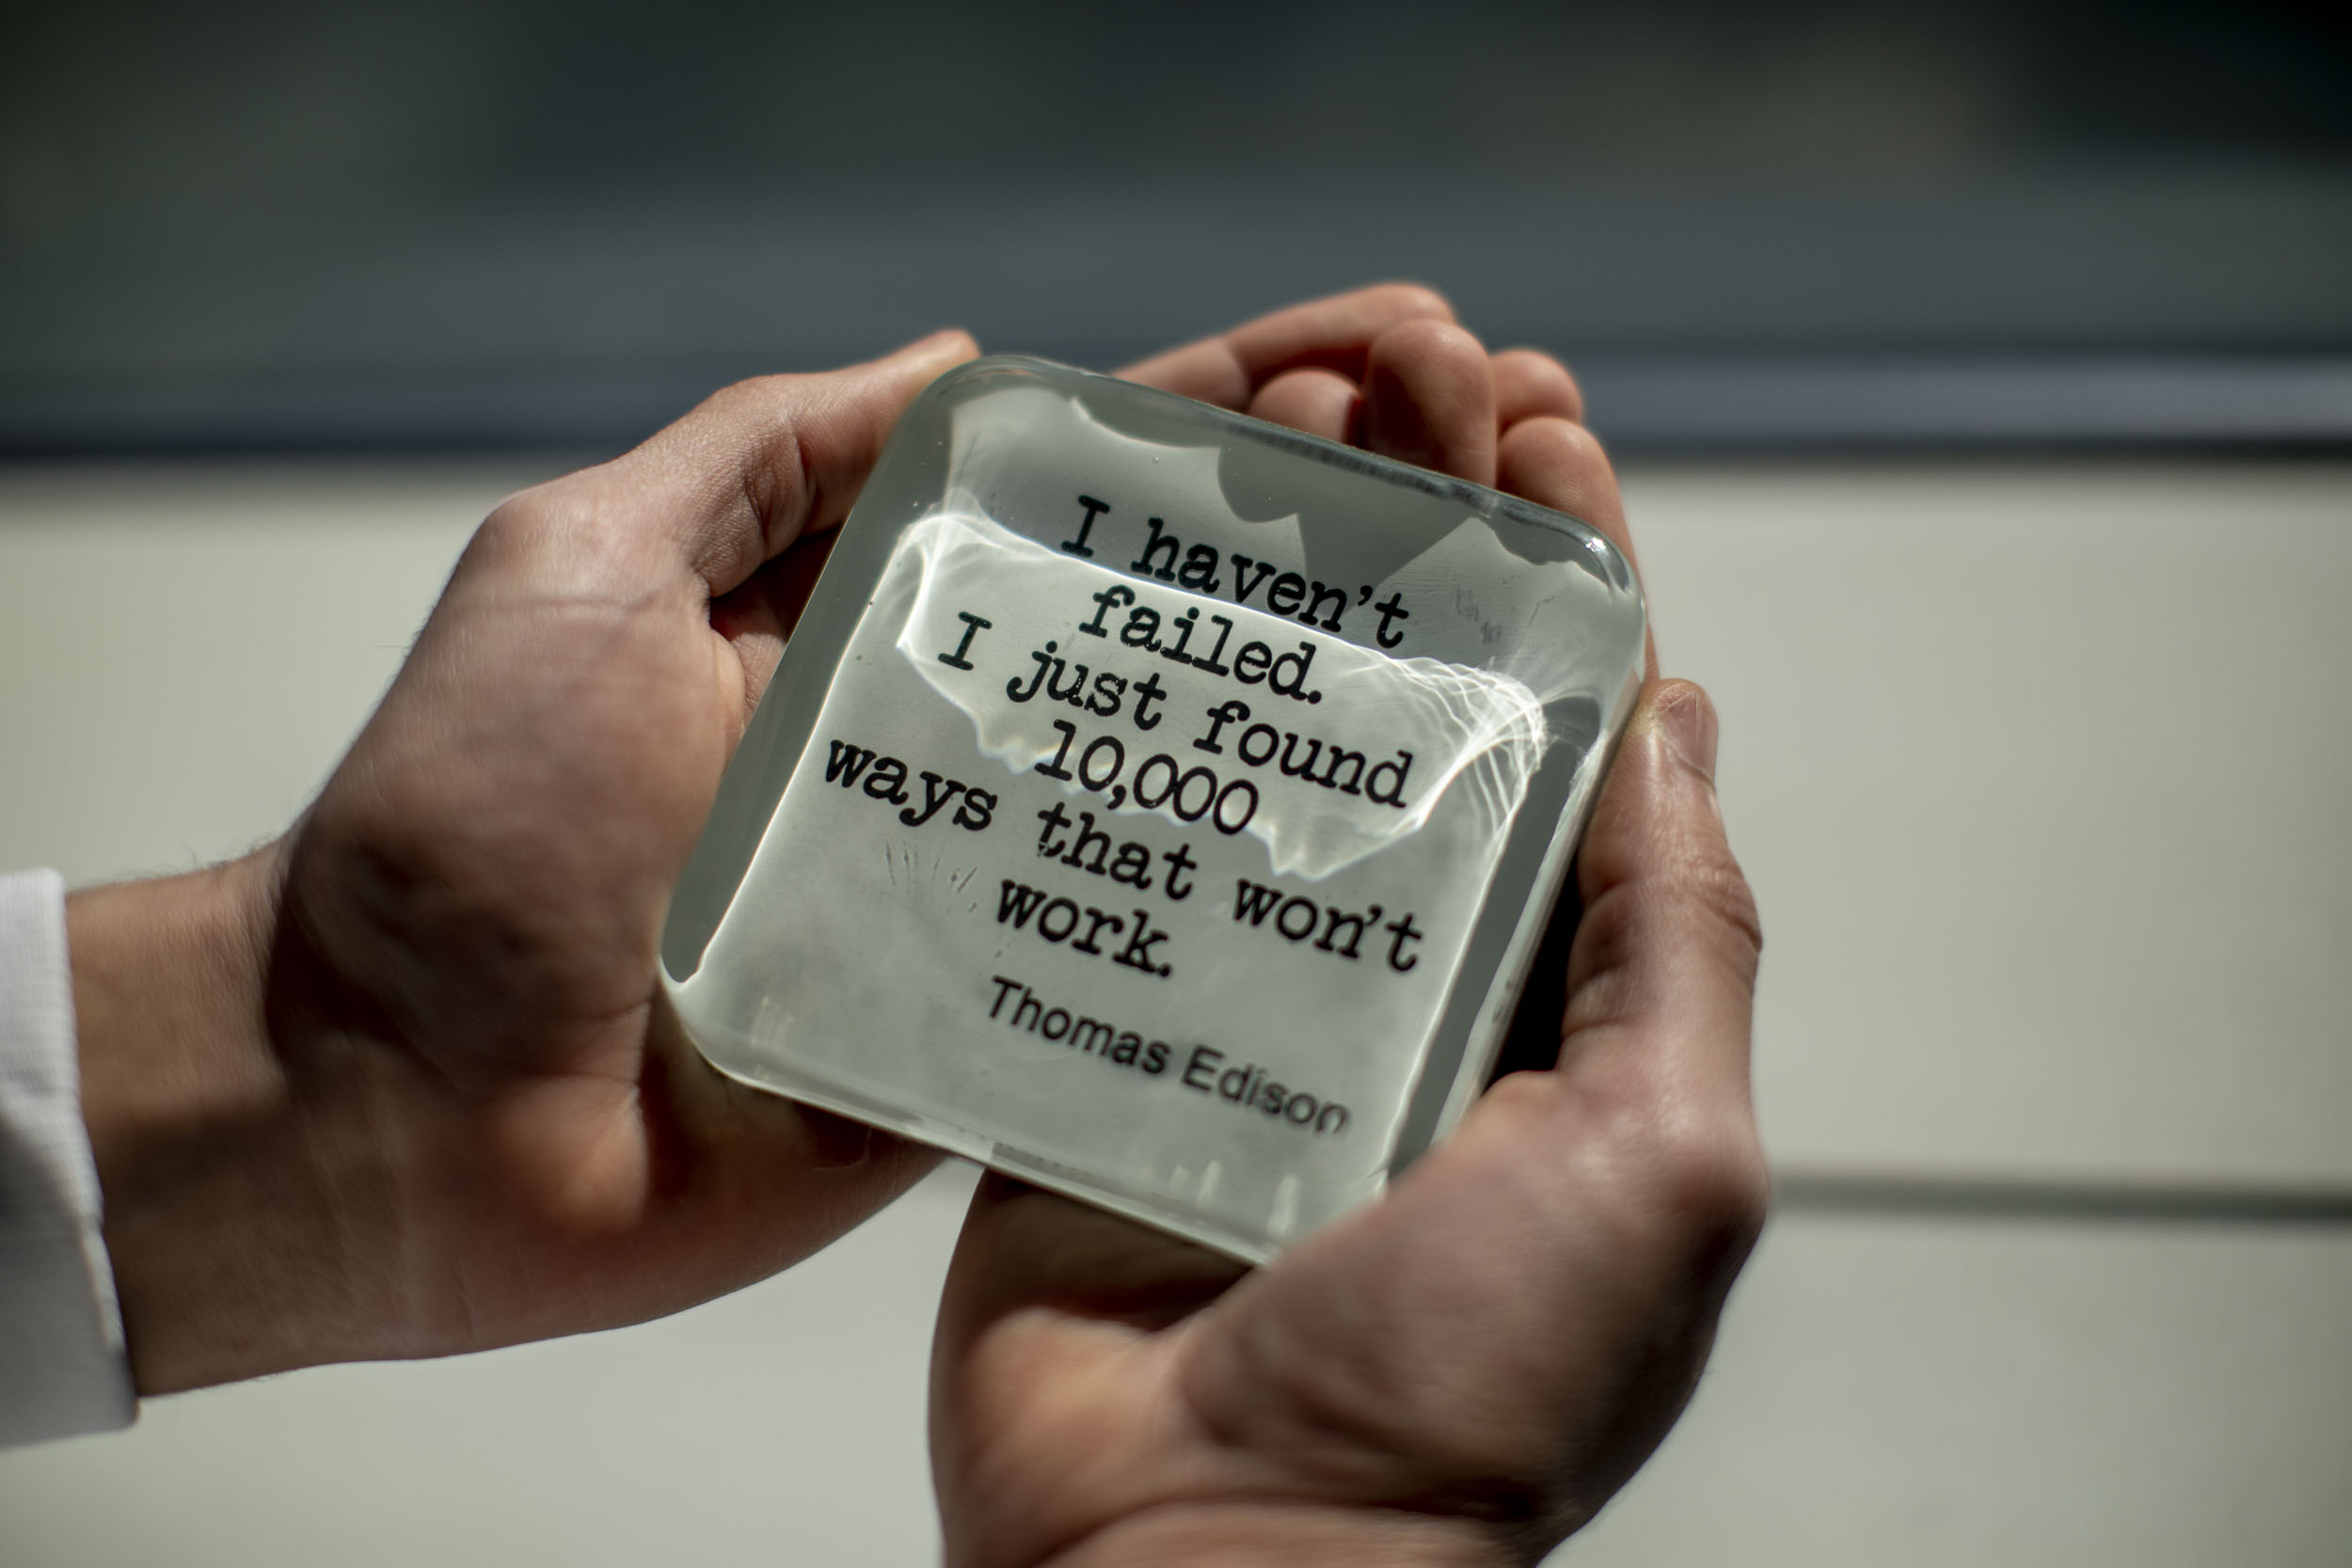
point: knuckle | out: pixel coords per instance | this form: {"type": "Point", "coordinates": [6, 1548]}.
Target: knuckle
{"type": "Point", "coordinates": [537, 505]}
{"type": "Point", "coordinates": [1413, 299]}
{"type": "Point", "coordinates": [1563, 444]}
{"type": "Point", "coordinates": [752, 392]}
{"type": "Point", "coordinates": [1428, 342]}
{"type": "Point", "coordinates": [1692, 1185]}
{"type": "Point", "coordinates": [752, 421]}
{"type": "Point", "coordinates": [1572, 390]}
{"type": "Point", "coordinates": [523, 522]}
{"type": "Point", "coordinates": [1539, 368]}
{"type": "Point", "coordinates": [1571, 400]}
{"type": "Point", "coordinates": [1675, 1146]}
{"type": "Point", "coordinates": [562, 528]}
{"type": "Point", "coordinates": [1525, 1097]}
{"type": "Point", "coordinates": [722, 410]}
{"type": "Point", "coordinates": [1716, 885]}
{"type": "Point", "coordinates": [1712, 1173]}
{"type": "Point", "coordinates": [753, 406]}
{"type": "Point", "coordinates": [522, 512]}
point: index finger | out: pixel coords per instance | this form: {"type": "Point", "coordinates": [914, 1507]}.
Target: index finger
{"type": "Point", "coordinates": [1334, 333]}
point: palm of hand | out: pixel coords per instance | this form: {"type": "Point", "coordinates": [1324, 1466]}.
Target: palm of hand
{"type": "Point", "coordinates": [1468, 1371]}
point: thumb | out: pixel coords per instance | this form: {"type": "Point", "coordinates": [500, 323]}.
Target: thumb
{"type": "Point", "coordinates": [762, 461]}
{"type": "Point", "coordinates": [1661, 979]}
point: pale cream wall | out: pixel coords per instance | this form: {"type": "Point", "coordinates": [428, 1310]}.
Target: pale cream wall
{"type": "Point", "coordinates": [2041, 773]}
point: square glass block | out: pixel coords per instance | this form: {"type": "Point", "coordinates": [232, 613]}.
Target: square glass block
{"type": "Point", "coordinates": [1155, 803]}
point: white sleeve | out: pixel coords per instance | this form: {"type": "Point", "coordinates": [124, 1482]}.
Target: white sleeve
{"type": "Point", "coordinates": [62, 1367]}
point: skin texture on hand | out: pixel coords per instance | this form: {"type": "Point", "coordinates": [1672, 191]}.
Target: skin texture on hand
{"type": "Point", "coordinates": [401, 1084]}
{"type": "Point", "coordinates": [1467, 1370]}
{"type": "Point", "coordinates": [461, 1117]}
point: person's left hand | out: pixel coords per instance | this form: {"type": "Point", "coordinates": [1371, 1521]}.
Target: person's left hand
{"type": "Point", "coordinates": [401, 1083]}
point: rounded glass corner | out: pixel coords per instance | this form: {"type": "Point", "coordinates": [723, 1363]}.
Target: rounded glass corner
{"type": "Point", "coordinates": [1156, 803]}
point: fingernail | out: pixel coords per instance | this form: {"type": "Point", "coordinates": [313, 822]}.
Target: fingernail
{"type": "Point", "coordinates": [1686, 721]}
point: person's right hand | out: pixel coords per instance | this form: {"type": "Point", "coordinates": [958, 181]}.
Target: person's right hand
{"type": "Point", "coordinates": [1465, 1370]}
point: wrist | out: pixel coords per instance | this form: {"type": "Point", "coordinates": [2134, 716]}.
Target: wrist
{"type": "Point", "coordinates": [226, 1260]}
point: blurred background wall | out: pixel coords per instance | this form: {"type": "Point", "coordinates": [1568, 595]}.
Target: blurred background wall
{"type": "Point", "coordinates": [1981, 380]}
{"type": "Point", "coordinates": [430, 223]}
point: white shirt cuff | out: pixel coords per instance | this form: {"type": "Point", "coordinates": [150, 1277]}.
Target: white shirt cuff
{"type": "Point", "coordinates": [62, 1366]}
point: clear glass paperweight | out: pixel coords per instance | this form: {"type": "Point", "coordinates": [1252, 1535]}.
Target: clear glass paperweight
{"type": "Point", "coordinates": [1155, 803]}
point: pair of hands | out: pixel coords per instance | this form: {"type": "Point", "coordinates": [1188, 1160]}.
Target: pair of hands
{"type": "Point", "coordinates": [402, 1084]}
